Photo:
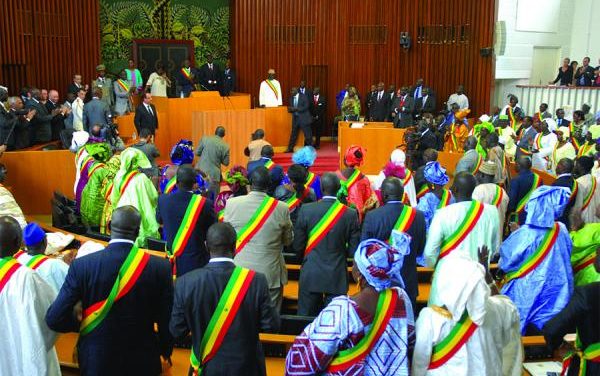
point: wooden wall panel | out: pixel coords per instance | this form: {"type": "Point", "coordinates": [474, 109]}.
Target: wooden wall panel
{"type": "Point", "coordinates": [44, 42]}
{"type": "Point", "coordinates": [442, 65]}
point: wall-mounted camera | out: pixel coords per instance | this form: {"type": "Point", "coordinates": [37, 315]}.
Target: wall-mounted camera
{"type": "Point", "coordinates": [405, 40]}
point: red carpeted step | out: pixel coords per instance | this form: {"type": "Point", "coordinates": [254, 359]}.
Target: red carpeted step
{"type": "Point", "coordinates": [328, 159]}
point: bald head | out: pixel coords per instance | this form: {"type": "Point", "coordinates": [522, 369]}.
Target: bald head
{"type": "Point", "coordinates": [471, 143]}
{"type": "Point", "coordinates": [330, 184]}
{"type": "Point", "coordinates": [11, 236]}
{"type": "Point", "coordinates": [125, 223]}
{"type": "Point", "coordinates": [392, 189]}
{"type": "Point", "coordinates": [524, 163]}
{"type": "Point", "coordinates": [463, 187]}
{"type": "Point", "coordinates": [220, 131]}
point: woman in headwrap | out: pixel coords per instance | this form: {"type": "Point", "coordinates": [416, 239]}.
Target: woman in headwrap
{"type": "Point", "coordinates": [490, 343]}
{"type": "Point", "coordinates": [86, 160]}
{"type": "Point", "coordinates": [458, 132]}
{"type": "Point", "coordinates": [92, 198]}
{"type": "Point", "coordinates": [351, 105]}
{"type": "Point", "coordinates": [543, 145]}
{"type": "Point", "coordinates": [132, 187]}
{"type": "Point", "coordinates": [237, 181]}
{"type": "Point", "coordinates": [481, 131]}
{"type": "Point", "coordinates": [181, 153]}
{"type": "Point", "coordinates": [437, 196]}
{"type": "Point", "coordinates": [306, 157]}
{"type": "Point", "coordinates": [111, 169]}
{"type": "Point", "coordinates": [332, 343]}
{"type": "Point", "coordinates": [396, 167]}
{"type": "Point", "coordinates": [295, 193]}
{"type": "Point", "coordinates": [356, 187]}
{"type": "Point", "coordinates": [586, 240]}
{"type": "Point", "coordinates": [498, 157]}
{"type": "Point", "coordinates": [563, 148]}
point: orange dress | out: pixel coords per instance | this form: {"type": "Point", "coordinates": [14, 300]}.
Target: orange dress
{"type": "Point", "coordinates": [360, 195]}
{"type": "Point", "coordinates": [456, 140]}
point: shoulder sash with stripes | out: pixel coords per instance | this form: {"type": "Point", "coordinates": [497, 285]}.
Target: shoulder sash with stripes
{"type": "Point", "coordinates": [586, 149]}
{"type": "Point", "coordinates": [498, 196]}
{"type": "Point", "coordinates": [171, 184]}
{"type": "Point", "coordinates": [452, 242]}
{"type": "Point", "coordinates": [123, 84]}
{"type": "Point", "coordinates": [584, 262]}
{"type": "Point", "coordinates": [352, 179]}
{"type": "Point", "coordinates": [8, 266]}
{"type": "Point", "coordinates": [19, 254]}
{"type": "Point", "coordinates": [325, 224]}
{"type": "Point", "coordinates": [576, 143]}
{"type": "Point", "coordinates": [269, 165]}
{"type": "Point", "coordinates": [273, 88]}
{"type": "Point", "coordinates": [126, 180]}
{"type": "Point", "coordinates": [311, 179]}
{"type": "Point", "coordinates": [130, 271]}
{"type": "Point", "coordinates": [574, 191]}
{"type": "Point", "coordinates": [221, 215]}
{"type": "Point", "coordinates": [454, 341]}
{"type": "Point", "coordinates": [538, 256]}
{"type": "Point", "coordinates": [407, 178]}
{"type": "Point", "coordinates": [94, 168]}
{"type": "Point", "coordinates": [293, 202]}
{"type": "Point", "coordinates": [386, 305]}
{"type": "Point", "coordinates": [36, 261]}
{"type": "Point", "coordinates": [187, 226]}
{"type": "Point", "coordinates": [588, 198]}
{"type": "Point", "coordinates": [404, 221]}
{"type": "Point", "coordinates": [511, 118]}
{"type": "Point", "coordinates": [478, 164]}
{"type": "Point", "coordinates": [109, 190]}
{"type": "Point", "coordinates": [445, 199]}
{"type": "Point", "coordinates": [537, 181]}
{"type": "Point", "coordinates": [221, 319]}
{"type": "Point", "coordinates": [422, 191]}
{"type": "Point", "coordinates": [589, 354]}
{"type": "Point", "coordinates": [187, 73]}
{"type": "Point", "coordinates": [256, 222]}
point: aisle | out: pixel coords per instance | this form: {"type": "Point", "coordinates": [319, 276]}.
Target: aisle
{"type": "Point", "coordinates": [328, 159]}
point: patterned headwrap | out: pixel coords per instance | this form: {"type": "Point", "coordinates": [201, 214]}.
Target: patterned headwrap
{"type": "Point", "coordinates": [546, 204]}
{"type": "Point", "coordinates": [381, 263]}
{"type": "Point", "coordinates": [305, 156]}
{"type": "Point", "coordinates": [435, 173]}
{"type": "Point", "coordinates": [182, 153]}
{"type": "Point", "coordinates": [355, 156]}
{"type": "Point", "coordinates": [100, 151]}
{"type": "Point", "coordinates": [236, 178]}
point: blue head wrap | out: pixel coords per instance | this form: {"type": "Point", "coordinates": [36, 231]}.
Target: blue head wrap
{"type": "Point", "coordinates": [435, 173]}
{"type": "Point", "coordinates": [546, 204]}
{"type": "Point", "coordinates": [182, 153]}
{"type": "Point", "coordinates": [33, 234]}
{"type": "Point", "coordinates": [305, 156]}
{"type": "Point", "coordinates": [381, 263]}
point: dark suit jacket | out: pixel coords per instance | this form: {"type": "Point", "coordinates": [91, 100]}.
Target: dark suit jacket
{"type": "Point", "coordinates": [587, 75]}
{"type": "Point", "coordinates": [564, 123]}
{"type": "Point", "coordinates": [379, 223]}
{"type": "Point", "coordinates": [369, 102]}
{"type": "Point", "coordinates": [206, 74]}
{"type": "Point", "coordinates": [186, 85]}
{"type": "Point", "coordinates": [378, 109]}
{"type": "Point", "coordinates": [143, 118]}
{"type": "Point", "coordinates": [58, 122]}
{"type": "Point", "coordinates": [196, 297]}
{"type": "Point", "coordinates": [40, 127]}
{"type": "Point", "coordinates": [411, 91]}
{"type": "Point", "coordinates": [324, 269]}
{"type": "Point", "coordinates": [125, 342]}
{"type": "Point", "coordinates": [95, 112]}
{"type": "Point", "coordinates": [277, 173]}
{"type": "Point", "coordinates": [300, 114]}
{"type": "Point", "coordinates": [318, 110]}
{"type": "Point", "coordinates": [228, 82]}
{"type": "Point", "coordinates": [519, 186]}
{"type": "Point", "coordinates": [404, 113]}
{"type": "Point", "coordinates": [565, 181]}
{"type": "Point", "coordinates": [429, 105]}
{"type": "Point", "coordinates": [427, 141]}
{"type": "Point", "coordinates": [11, 126]}
{"type": "Point", "coordinates": [171, 210]}
{"type": "Point", "coordinates": [73, 88]}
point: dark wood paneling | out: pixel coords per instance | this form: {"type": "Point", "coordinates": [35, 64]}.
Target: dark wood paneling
{"type": "Point", "coordinates": [44, 42]}
{"type": "Point", "coordinates": [358, 42]}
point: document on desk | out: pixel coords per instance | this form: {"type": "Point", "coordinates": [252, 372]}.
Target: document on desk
{"type": "Point", "coordinates": [543, 368]}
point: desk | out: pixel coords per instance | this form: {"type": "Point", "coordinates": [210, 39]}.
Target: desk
{"type": "Point", "coordinates": [278, 127]}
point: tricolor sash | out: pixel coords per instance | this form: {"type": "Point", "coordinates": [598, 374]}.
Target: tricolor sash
{"type": "Point", "coordinates": [109, 190]}
{"type": "Point", "coordinates": [576, 144]}
{"type": "Point", "coordinates": [187, 226]}
{"type": "Point", "coordinates": [454, 341]}
{"type": "Point", "coordinates": [445, 199]}
{"type": "Point", "coordinates": [452, 242]}
{"type": "Point", "coordinates": [404, 221]}
{"type": "Point", "coordinates": [511, 118]}
{"type": "Point", "coordinates": [170, 185]}
{"type": "Point", "coordinates": [574, 191]}
{"type": "Point", "coordinates": [588, 198]}
{"type": "Point", "coordinates": [525, 151]}
{"type": "Point", "coordinates": [187, 73]}
{"type": "Point", "coordinates": [273, 88]}
{"type": "Point", "coordinates": [478, 164]}
{"type": "Point", "coordinates": [344, 359]}
{"type": "Point", "coordinates": [538, 256]}
{"type": "Point", "coordinates": [87, 164]}
{"type": "Point", "coordinates": [36, 261]}
{"type": "Point", "coordinates": [539, 116]}
{"type": "Point", "coordinates": [586, 149]}
{"type": "Point", "coordinates": [584, 262]}
{"type": "Point", "coordinates": [537, 141]}
{"type": "Point", "coordinates": [590, 354]}
{"type": "Point", "coordinates": [221, 215]}
{"type": "Point", "coordinates": [95, 168]}
{"type": "Point", "coordinates": [422, 191]}
{"type": "Point", "coordinates": [534, 185]}
{"type": "Point", "coordinates": [311, 179]}
{"type": "Point", "coordinates": [130, 271]}
{"type": "Point", "coordinates": [19, 254]}
{"type": "Point", "coordinates": [325, 224]}
{"type": "Point", "coordinates": [123, 85]}
{"type": "Point", "coordinates": [497, 200]}
{"type": "Point", "coordinates": [8, 266]}
{"type": "Point", "coordinates": [269, 165]}
{"type": "Point", "coordinates": [221, 319]}
{"type": "Point", "coordinates": [293, 202]}
{"type": "Point", "coordinates": [126, 180]}
{"type": "Point", "coordinates": [407, 178]}
{"type": "Point", "coordinates": [255, 223]}
{"type": "Point", "coordinates": [349, 183]}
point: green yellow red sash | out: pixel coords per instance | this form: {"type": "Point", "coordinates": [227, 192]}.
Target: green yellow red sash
{"type": "Point", "coordinates": [36, 261]}
{"type": "Point", "coordinates": [187, 73]}
{"type": "Point", "coordinates": [588, 198]}
{"type": "Point", "coordinates": [19, 254]}
{"type": "Point", "coordinates": [525, 151]}
{"type": "Point", "coordinates": [584, 262]}
{"type": "Point", "coordinates": [453, 137]}
{"type": "Point", "coordinates": [352, 179]}
{"type": "Point", "coordinates": [325, 224]}
{"type": "Point", "coordinates": [8, 266]}
{"type": "Point", "coordinates": [220, 321]}
{"type": "Point", "coordinates": [478, 164]}
{"type": "Point", "coordinates": [422, 191]}
{"type": "Point", "coordinates": [453, 241]}
{"type": "Point", "coordinates": [511, 118]}
{"type": "Point", "coordinates": [534, 185]}
{"type": "Point", "coordinates": [590, 354]}
{"type": "Point", "coordinates": [386, 305]}
{"type": "Point", "coordinates": [576, 144]}
{"type": "Point", "coordinates": [404, 221]}
{"type": "Point", "coordinates": [95, 168]}
{"type": "Point", "coordinates": [126, 180]}
{"type": "Point", "coordinates": [87, 164]}
{"type": "Point", "coordinates": [311, 179]}
{"type": "Point", "coordinates": [497, 200]}
{"type": "Point", "coordinates": [170, 185]}
{"type": "Point", "coordinates": [538, 256]}
{"type": "Point", "coordinates": [537, 141]}
{"type": "Point", "coordinates": [269, 165]}
{"type": "Point", "coordinates": [273, 88]}
{"type": "Point", "coordinates": [294, 201]}
{"type": "Point", "coordinates": [109, 190]}
{"type": "Point", "coordinates": [445, 199]}
{"type": "Point", "coordinates": [539, 116]}
{"type": "Point", "coordinates": [188, 224]}
{"type": "Point", "coordinates": [129, 273]}
{"type": "Point", "coordinates": [255, 223]}
{"type": "Point", "coordinates": [574, 191]}
{"type": "Point", "coordinates": [221, 215]}
{"type": "Point", "coordinates": [586, 149]}
{"type": "Point", "coordinates": [454, 341]}
{"type": "Point", "coordinates": [407, 178]}
{"type": "Point", "coordinates": [124, 85]}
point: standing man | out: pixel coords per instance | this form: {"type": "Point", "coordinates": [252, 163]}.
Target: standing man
{"type": "Point", "coordinates": [96, 112]}
{"type": "Point", "coordinates": [585, 74]}
{"type": "Point", "coordinates": [40, 130]}
{"type": "Point", "coordinates": [276, 172]}
{"type": "Point", "coordinates": [560, 119]}
{"type": "Point", "coordinates": [460, 98]}
{"type": "Point", "coordinates": [105, 85]}
{"type": "Point", "coordinates": [528, 133]}
{"type": "Point", "coordinates": [76, 84]}
{"type": "Point", "coordinates": [402, 109]}
{"type": "Point", "coordinates": [521, 187]}
{"type": "Point", "coordinates": [487, 192]}
{"type": "Point", "coordinates": [75, 120]}
{"type": "Point", "coordinates": [185, 79]}
{"type": "Point", "coordinates": [318, 109]}
{"type": "Point", "coordinates": [58, 121]}
{"type": "Point", "coordinates": [588, 197]}
{"type": "Point", "coordinates": [210, 75]}
{"type": "Point", "coordinates": [116, 334]}
{"type": "Point", "coordinates": [301, 119]}
{"type": "Point", "coordinates": [134, 76]}
{"type": "Point", "coordinates": [425, 104]}
{"type": "Point", "coordinates": [302, 89]}
{"type": "Point", "coordinates": [471, 160]}
{"type": "Point", "coordinates": [146, 115]}
{"type": "Point", "coordinates": [270, 94]}
{"type": "Point", "coordinates": [255, 146]}
{"type": "Point", "coordinates": [200, 299]}
{"type": "Point", "coordinates": [228, 80]}
{"type": "Point", "coordinates": [564, 178]}
{"type": "Point", "coordinates": [123, 90]}
{"type": "Point", "coordinates": [394, 215]}
{"type": "Point", "coordinates": [186, 218]}
{"type": "Point", "coordinates": [24, 300]}
{"type": "Point", "coordinates": [213, 152]}
{"type": "Point", "coordinates": [542, 114]}
{"type": "Point", "coordinates": [263, 228]}
{"type": "Point", "coordinates": [325, 235]}
{"type": "Point", "coordinates": [380, 103]}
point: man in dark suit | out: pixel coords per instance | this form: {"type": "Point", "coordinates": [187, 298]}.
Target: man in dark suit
{"type": "Point", "coordinates": [519, 186]}
{"type": "Point", "coordinates": [275, 171]}
{"type": "Point", "coordinates": [318, 109]}
{"type": "Point", "coordinates": [96, 112]}
{"type": "Point", "coordinates": [185, 78]}
{"type": "Point", "coordinates": [380, 104]}
{"type": "Point", "coordinates": [58, 122]}
{"type": "Point", "coordinates": [302, 89]}
{"type": "Point", "coordinates": [145, 115]}
{"type": "Point", "coordinates": [379, 223]}
{"type": "Point", "coordinates": [560, 119]}
{"type": "Point", "coordinates": [124, 342]}
{"type": "Point", "coordinates": [197, 295]}
{"type": "Point", "coordinates": [585, 73]}
{"type": "Point", "coordinates": [13, 126]}
{"type": "Point", "coordinates": [564, 172]}
{"type": "Point", "coordinates": [324, 275]}
{"type": "Point", "coordinates": [76, 85]}
{"type": "Point", "coordinates": [425, 104]}
{"type": "Point", "coordinates": [228, 80]}
{"type": "Point", "coordinates": [301, 119]}
{"type": "Point", "coordinates": [40, 124]}
{"type": "Point", "coordinates": [402, 109]}
{"type": "Point", "coordinates": [210, 75]}
{"type": "Point", "coordinates": [171, 211]}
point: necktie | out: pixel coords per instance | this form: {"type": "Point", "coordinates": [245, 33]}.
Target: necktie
{"type": "Point", "coordinates": [296, 101]}
{"type": "Point", "coordinates": [316, 99]}
{"type": "Point", "coordinates": [149, 109]}
{"type": "Point", "coordinates": [379, 96]}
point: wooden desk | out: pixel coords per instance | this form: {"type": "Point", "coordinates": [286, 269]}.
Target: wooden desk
{"type": "Point", "coordinates": [278, 127]}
